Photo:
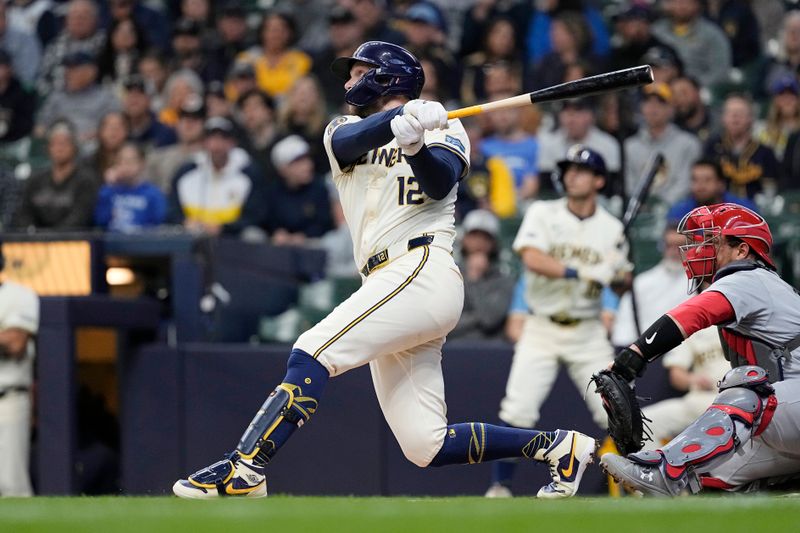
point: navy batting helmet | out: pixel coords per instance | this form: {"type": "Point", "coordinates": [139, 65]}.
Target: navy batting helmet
{"type": "Point", "coordinates": [585, 157]}
{"type": "Point", "coordinates": [396, 72]}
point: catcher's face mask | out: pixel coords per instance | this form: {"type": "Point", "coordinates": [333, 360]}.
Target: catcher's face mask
{"type": "Point", "coordinates": [699, 254]}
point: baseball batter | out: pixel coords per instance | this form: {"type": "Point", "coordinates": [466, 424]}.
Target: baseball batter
{"type": "Point", "coordinates": [751, 431]}
{"type": "Point", "coordinates": [571, 248]}
{"type": "Point", "coordinates": [396, 163]}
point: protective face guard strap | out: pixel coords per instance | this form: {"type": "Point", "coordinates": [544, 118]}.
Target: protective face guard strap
{"type": "Point", "coordinates": [284, 410]}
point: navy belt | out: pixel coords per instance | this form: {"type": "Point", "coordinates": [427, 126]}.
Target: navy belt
{"type": "Point", "coordinates": [564, 320]}
{"type": "Point", "coordinates": [382, 257]}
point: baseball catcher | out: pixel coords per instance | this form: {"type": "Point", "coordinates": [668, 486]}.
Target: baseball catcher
{"type": "Point", "coordinates": [751, 431]}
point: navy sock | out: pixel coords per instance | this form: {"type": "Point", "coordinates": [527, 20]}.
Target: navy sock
{"type": "Point", "coordinates": [503, 469]}
{"type": "Point", "coordinates": [306, 378]}
{"type": "Point", "coordinates": [476, 442]}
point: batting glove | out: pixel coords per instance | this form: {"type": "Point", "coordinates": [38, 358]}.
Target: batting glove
{"type": "Point", "coordinates": [432, 115]}
{"type": "Point", "coordinates": [408, 132]}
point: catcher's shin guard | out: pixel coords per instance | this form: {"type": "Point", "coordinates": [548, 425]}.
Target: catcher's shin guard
{"type": "Point", "coordinates": [285, 410]}
{"type": "Point", "coordinates": [714, 434]}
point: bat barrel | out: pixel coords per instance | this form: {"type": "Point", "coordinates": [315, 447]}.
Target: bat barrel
{"type": "Point", "coordinates": [601, 83]}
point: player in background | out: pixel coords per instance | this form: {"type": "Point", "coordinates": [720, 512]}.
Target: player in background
{"type": "Point", "coordinates": [396, 162]}
{"type": "Point", "coordinates": [751, 431]}
{"type": "Point", "coordinates": [571, 248]}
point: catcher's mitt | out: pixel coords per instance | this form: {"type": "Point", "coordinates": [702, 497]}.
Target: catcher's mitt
{"type": "Point", "coordinates": [626, 423]}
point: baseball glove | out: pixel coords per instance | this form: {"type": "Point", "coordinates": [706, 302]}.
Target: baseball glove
{"type": "Point", "coordinates": [626, 422]}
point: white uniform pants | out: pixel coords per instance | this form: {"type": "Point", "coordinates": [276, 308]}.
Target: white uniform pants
{"type": "Point", "coordinates": [15, 436]}
{"type": "Point", "coordinates": [583, 349]}
{"type": "Point", "coordinates": [397, 322]}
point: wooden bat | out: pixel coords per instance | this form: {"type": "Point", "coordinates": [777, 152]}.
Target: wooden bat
{"type": "Point", "coordinates": [601, 83]}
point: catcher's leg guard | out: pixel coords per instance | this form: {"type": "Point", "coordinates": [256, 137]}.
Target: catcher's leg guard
{"type": "Point", "coordinates": [727, 423]}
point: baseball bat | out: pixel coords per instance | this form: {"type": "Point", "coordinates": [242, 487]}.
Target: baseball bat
{"type": "Point", "coordinates": [642, 189]}
{"type": "Point", "coordinates": [634, 205]}
{"type": "Point", "coordinates": [601, 83]}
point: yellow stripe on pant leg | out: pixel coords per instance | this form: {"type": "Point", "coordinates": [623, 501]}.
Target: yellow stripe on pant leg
{"type": "Point", "coordinates": [372, 309]}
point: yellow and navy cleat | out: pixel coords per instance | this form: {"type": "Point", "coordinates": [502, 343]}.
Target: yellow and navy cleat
{"type": "Point", "coordinates": [568, 457]}
{"type": "Point", "coordinates": [232, 476]}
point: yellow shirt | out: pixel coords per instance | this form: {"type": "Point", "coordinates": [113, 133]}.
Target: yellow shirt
{"type": "Point", "coordinates": [276, 79]}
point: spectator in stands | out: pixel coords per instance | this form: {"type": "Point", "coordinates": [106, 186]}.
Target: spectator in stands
{"type": "Point", "coordinates": [230, 39]}
{"type": "Point", "coordinates": [241, 79]}
{"type": "Point", "coordinates": [19, 323]}
{"type": "Point", "coordinates": [163, 163]}
{"type": "Point", "coordinates": [374, 18]}
{"type": "Point", "coordinates": [302, 112]}
{"type": "Point", "coordinates": [120, 57]}
{"type": "Point", "coordinates": [63, 195]}
{"type": "Point", "coordinates": [344, 36]}
{"type": "Point", "coordinates": [576, 126]}
{"type": "Point", "coordinates": [787, 58]}
{"type": "Point", "coordinates": [146, 129]}
{"type": "Point", "coordinates": [178, 87]}
{"type": "Point", "coordinates": [10, 192]}
{"type": "Point", "coordinates": [81, 33]}
{"type": "Point", "coordinates": [708, 187]}
{"type": "Point", "coordinates": [17, 104]}
{"type": "Point", "coordinates": [498, 46]}
{"type": "Point", "coordinates": [277, 64]}
{"type": "Point", "coordinates": [571, 39]}
{"type": "Point", "coordinates": [635, 38]}
{"type": "Point", "coordinates": [518, 149]}
{"type": "Point", "coordinates": [748, 164]}
{"type": "Point", "coordinates": [81, 101]}
{"type": "Point", "coordinates": [657, 290]}
{"type": "Point", "coordinates": [737, 20]}
{"type": "Point", "coordinates": [153, 68]}
{"type": "Point", "coordinates": [312, 17]}
{"type": "Point", "coordinates": [152, 23]}
{"type": "Point", "coordinates": [539, 37]}
{"type": "Point", "coordinates": [691, 113]}
{"type": "Point", "coordinates": [298, 203]}
{"type": "Point", "coordinates": [34, 17]}
{"type": "Point", "coordinates": [783, 115]}
{"type": "Point", "coordinates": [487, 291]}
{"type": "Point", "coordinates": [659, 135]}
{"type": "Point", "coordinates": [256, 112]}
{"type": "Point", "coordinates": [702, 46]}
{"type": "Point", "coordinates": [209, 192]}
{"type": "Point", "coordinates": [24, 49]}
{"type": "Point", "coordinates": [666, 63]}
{"type": "Point", "coordinates": [128, 202]}
{"type": "Point", "coordinates": [219, 105]}
{"type": "Point", "coordinates": [482, 14]}
{"type": "Point", "coordinates": [187, 47]}
{"type": "Point", "coordinates": [425, 31]}
{"type": "Point", "coordinates": [112, 132]}
{"type": "Point", "coordinates": [198, 12]}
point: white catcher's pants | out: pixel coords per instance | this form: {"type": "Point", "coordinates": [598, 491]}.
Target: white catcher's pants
{"type": "Point", "coordinates": [397, 322]}
{"type": "Point", "coordinates": [583, 349]}
{"type": "Point", "coordinates": [15, 436]}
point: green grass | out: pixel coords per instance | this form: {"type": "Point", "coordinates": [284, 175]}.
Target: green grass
{"type": "Point", "coordinates": [754, 514]}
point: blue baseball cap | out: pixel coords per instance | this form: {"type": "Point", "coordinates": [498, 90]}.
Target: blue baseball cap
{"type": "Point", "coordinates": [784, 83]}
{"type": "Point", "coordinates": [78, 58]}
{"type": "Point", "coordinates": [427, 14]}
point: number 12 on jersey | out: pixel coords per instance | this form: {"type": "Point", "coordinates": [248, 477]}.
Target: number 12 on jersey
{"type": "Point", "coordinates": [408, 192]}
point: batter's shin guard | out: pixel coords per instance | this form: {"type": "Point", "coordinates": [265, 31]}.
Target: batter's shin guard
{"type": "Point", "coordinates": [288, 407]}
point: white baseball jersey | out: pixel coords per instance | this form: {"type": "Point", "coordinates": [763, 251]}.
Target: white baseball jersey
{"type": "Point", "coordinates": [596, 241]}
{"type": "Point", "coordinates": [19, 308]}
{"type": "Point", "coordinates": [382, 199]}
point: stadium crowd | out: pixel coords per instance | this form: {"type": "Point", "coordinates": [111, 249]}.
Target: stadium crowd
{"type": "Point", "coordinates": [127, 115]}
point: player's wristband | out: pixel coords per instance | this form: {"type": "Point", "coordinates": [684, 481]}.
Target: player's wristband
{"type": "Point", "coordinates": [570, 273]}
{"type": "Point", "coordinates": [629, 364]}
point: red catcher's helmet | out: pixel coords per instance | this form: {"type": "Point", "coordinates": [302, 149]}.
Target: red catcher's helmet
{"type": "Point", "coordinates": [703, 225]}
